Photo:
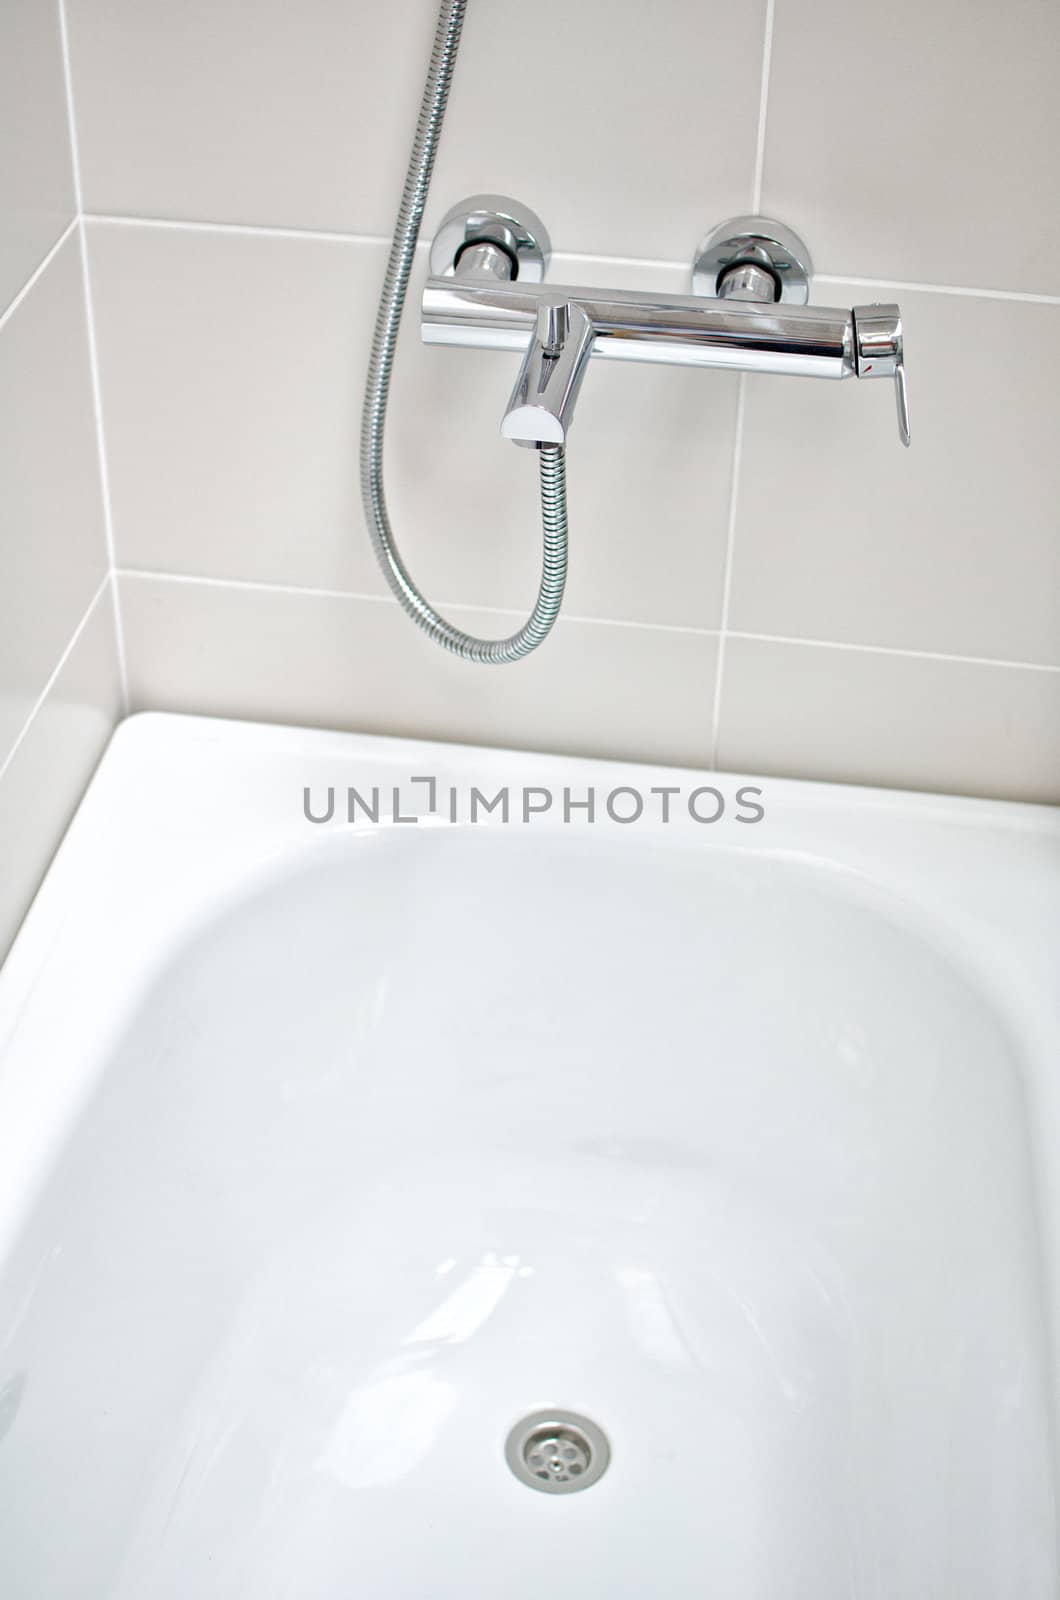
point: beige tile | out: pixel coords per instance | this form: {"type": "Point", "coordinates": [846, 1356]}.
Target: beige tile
{"type": "Point", "coordinates": [919, 142]}
{"type": "Point", "coordinates": [53, 552]}
{"type": "Point", "coordinates": [44, 780]}
{"type": "Point", "coordinates": [630, 131]}
{"type": "Point", "coordinates": [950, 546]}
{"type": "Point", "coordinates": [232, 370]}
{"type": "Point", "coordinates": [592, 688]}
{"type": "Point", "coordinates": [36, 168]}
{"type": "Point", "coordinates": [213, 110]}
{"type": "Point", "coordinates": [909, 722]}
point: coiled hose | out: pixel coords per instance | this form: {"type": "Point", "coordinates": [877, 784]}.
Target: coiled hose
{"type": "Point", "coordinates": [377, 392]}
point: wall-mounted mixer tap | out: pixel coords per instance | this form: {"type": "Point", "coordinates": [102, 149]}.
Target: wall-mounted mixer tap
{"type": "Point", "coordinates": [487, 287]}
{"type": "Point", "coordinates": [749, 312]}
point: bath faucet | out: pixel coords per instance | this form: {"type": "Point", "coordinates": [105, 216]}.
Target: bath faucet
{"type": "Point", "coordinates": [749, 313]}
{"type": "Point", "coordinates": [487, 262]}
{"type": "Point", "coordinates": [542, 403]}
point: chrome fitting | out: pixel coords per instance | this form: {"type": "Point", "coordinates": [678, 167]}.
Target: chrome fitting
{"type": "Point", "coordinates": [762, 258]}
{"type": "Point", "coordinates": [749, 314]}
{"type": "Point", "coordinates": [492, 219]}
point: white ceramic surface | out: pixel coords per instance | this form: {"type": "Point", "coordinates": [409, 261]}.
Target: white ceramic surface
{"type": "Point", "coordinates": [326, 1153]}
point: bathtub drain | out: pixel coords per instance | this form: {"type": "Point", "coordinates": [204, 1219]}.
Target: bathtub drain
{"type": "Point", "coordinates": [557, 1451]}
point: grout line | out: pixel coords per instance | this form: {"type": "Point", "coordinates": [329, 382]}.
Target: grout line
{"type": "Point", "coordinates": [38, 272]}
{"type": "Point", "coordinates": [119, 641]}
{"type": "Point", "coordinates": [938, 288]}
{"type": "Point", "coordinates": [726, 591]}
{"type": "Point", "coordinates": [580, 617]}
{"type": "Point", "coordinates": [722, 633]}
{"type": "Point", "coordinates": [255, 585]}
{"type": "Point", "coordinates": [306, 591]}
{"type": "Point", "coordinates": [649, 263]}
{"type": "Point", "coordinates": [93, 360]}
{"type": "Point", "coordinates": [894, 650]}
{"type": "Point", "coordinates": [63, 659]}
{"type": "Point", "coordinates": [68, 89]}
{"type": "Point", "coordinates": [254, 230]}
{"type": "Point", "coordinates": [741, 396]}
{"type": "Point", "coordinates": [239, 229]}
{"type": "Point", "coordinates": [104, 472]}
{"type": "Point", "coordinates": [763, 107]}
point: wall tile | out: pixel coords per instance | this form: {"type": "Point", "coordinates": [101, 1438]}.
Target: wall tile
{"type": "Point", "coordinates": [44, 780]}
{"type": "Point", "coordinates": [919, 142]}
{"type": "Point", "coordinates": [592, 688]}
{"type": "Point", "coordinates": [859, 716]}
{"type": "Point", "coordinates": [303, 115]}
{"type": "Point", "coordinates": [632, 130]}
{"type": "Point", "coordinates": [950, 546]}
{"type": "Point", "coordinates": [212, 110]}
{"type": "Point", "coordinates": [36, 168]}
{"type": "Point", "coordinates": [233, 366]}
{"type": "Point", "coordinates": [232, 370]}
{"type": "Point", "coordinates": [53, 553]}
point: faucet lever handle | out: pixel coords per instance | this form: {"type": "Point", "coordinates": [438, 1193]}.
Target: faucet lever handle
{"type": "Point", "coordinates": [901, 400]}
{"type": "Point", "coordinates": [879, 353]}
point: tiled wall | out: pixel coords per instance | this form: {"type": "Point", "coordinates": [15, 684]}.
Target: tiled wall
{"type": "Point", "coordinates": [760, 575]}
{"type": "Point", "coordinates": [60, 690]}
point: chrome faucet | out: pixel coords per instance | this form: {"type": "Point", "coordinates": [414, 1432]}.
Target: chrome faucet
{"type": "Point", "coordinates": [541, 408]}
{"type": "Point", "coordinates": [749, 312]}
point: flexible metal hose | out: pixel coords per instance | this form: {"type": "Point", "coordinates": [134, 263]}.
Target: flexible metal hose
{"type": "Point", "coordinates": [377, 392]}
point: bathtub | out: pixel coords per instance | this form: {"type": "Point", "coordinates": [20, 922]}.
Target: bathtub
{"type": "Point", "coordinates": [340, 1132]}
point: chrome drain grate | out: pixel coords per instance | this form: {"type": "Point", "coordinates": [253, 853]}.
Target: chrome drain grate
{"type": "Point", "coordinates": [557, 1451]}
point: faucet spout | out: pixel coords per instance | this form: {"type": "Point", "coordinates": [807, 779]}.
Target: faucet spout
{"type": "Point", "coordinates": [541, 408]}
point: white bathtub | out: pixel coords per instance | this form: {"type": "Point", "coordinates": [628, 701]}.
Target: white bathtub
{"type": "Point", "coordinates": [328, 1152]}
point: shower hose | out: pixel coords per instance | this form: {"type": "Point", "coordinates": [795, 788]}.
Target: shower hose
{"type": "Point", "coordinates": [377, 392]}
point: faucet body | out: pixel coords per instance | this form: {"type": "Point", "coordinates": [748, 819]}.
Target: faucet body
{"type": "Point", "coordinates": [751, 321]}
{"type": "Point", "coordinates": [677, 330]}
